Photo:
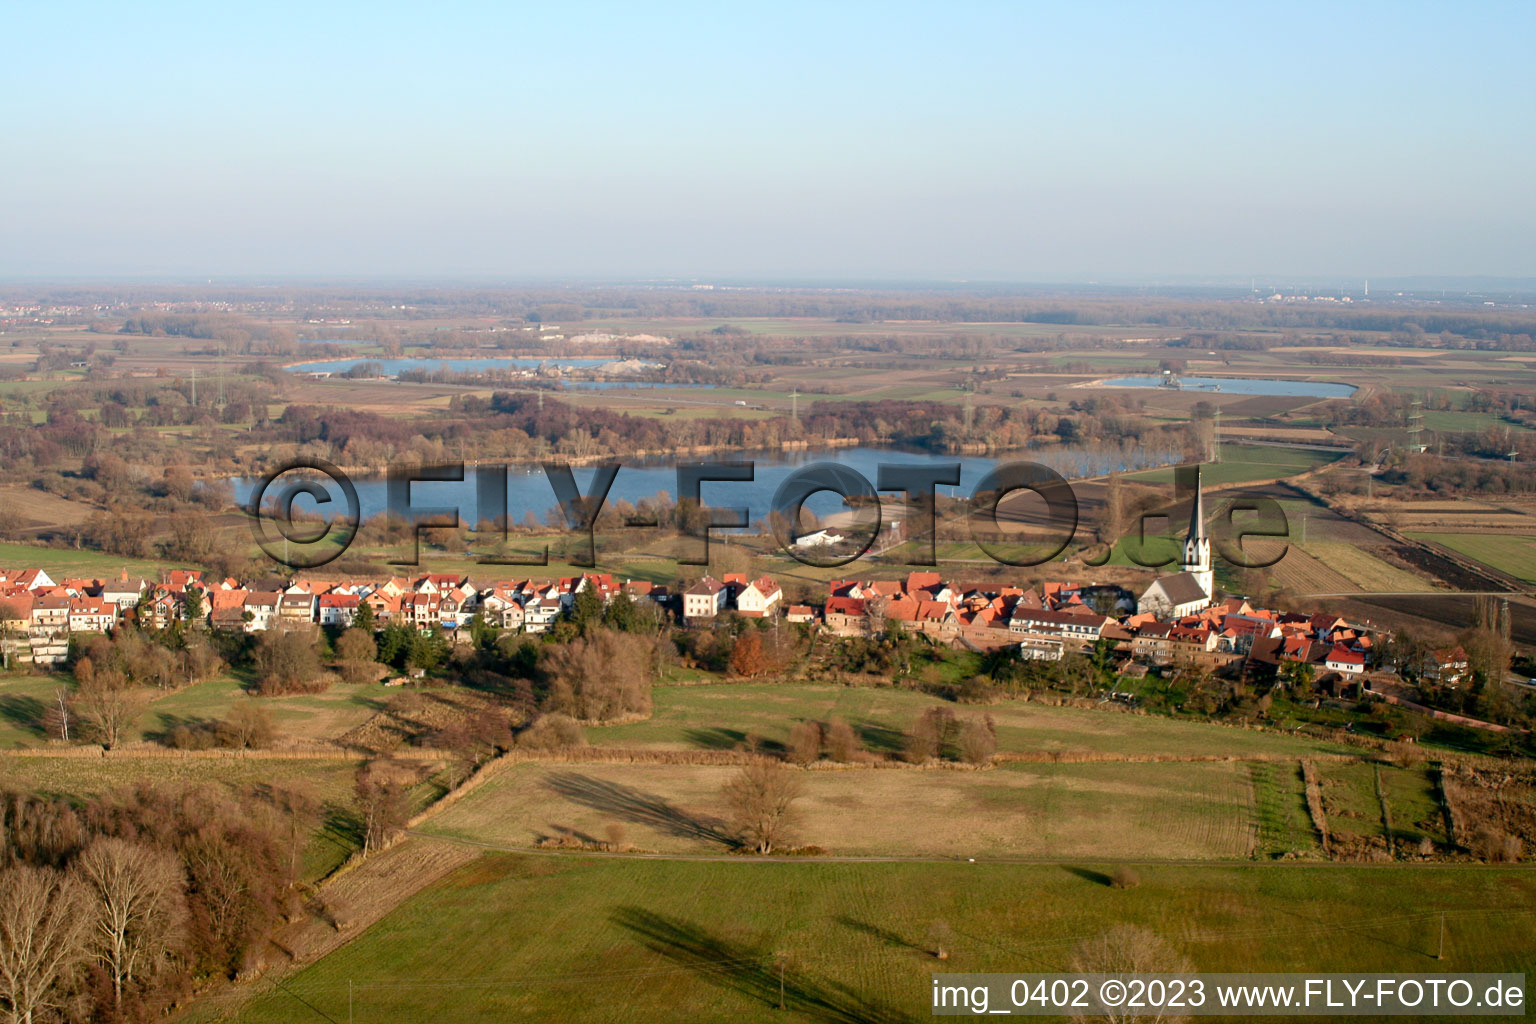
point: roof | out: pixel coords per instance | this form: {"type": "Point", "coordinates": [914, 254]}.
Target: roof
{"type": "Point", "coordinates": [845, 606]}
{"type": "Point", "coordinates": [1181, 588]}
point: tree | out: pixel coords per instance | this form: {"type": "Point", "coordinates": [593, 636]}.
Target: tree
{"type": "Point", "coordinates": [287, 662]}
{"type": "Point", "coordinates": [841, 741]}
{"type": "Point", "coordinates": [761, 798]}
{"type": "Point", "coordinates": [805, 742]}
{"type": "Point", "coordinates": [42, 938]}
{"type": "Point", "coordinates": [599, 677]}
{"type": "Point", "coordinates": [362, 619]}
{"type": "Point", "coordinates": [428, 650]}
{"type": "Point", "coordinates": [747, 657]}
{"type": "Point", "coordinates": [978, 740]}
{"type": "Point", "coordinates": [356, 651]}
{"type": "Point", "coordinates": [250, 725]}
{"type": "Point", "coordinates": [383, 803]}
{"type": "Point", "coordinates": [929, 735]}
{"type": "Point", "coordinates": [138, 908]}
{"type": "Point", "coordinates": [107, 705]}
{"type": "Point", "coordinates": [194, 606]}
{"type": "Point", "coordinates": [587, 609]}
{"type": "Point", "coordinates": [1129, 949]}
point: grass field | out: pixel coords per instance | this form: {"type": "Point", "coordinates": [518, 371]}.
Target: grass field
{"type": "Point", "coordinates": [61, 562]}
{"type": "Point", "coordinates": [720, 716]}
{"type": "Point", "coordinates": [1166, 811]}
{"type": "Point", "coordinates": [575, 938]}
{"type": "Point", "coordinates": [1243, 462]}
{"type": "Point", "coordinates": [1512, 553]}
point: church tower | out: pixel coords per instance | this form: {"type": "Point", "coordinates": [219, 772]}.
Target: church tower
{"type": "Point", "coordinates": [1197, 546]}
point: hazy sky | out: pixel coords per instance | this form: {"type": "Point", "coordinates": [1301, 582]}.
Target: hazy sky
{"type": "Point", "coordinates": [946, 140]}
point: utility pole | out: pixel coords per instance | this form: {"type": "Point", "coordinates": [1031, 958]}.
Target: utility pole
{"type": "Point", "coordinates": [1441, 955]}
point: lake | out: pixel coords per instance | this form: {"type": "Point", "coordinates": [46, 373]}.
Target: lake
{"type": "Point", "coordinates": [392, 368]}
{"type": "Point", "coordinates": [1242, 386]}
{"type": "Point", "coordinates": [529, 490]}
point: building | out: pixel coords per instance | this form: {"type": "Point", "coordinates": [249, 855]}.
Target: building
{"type": "Point", "coordinates": [1345, 661]}
{"type": "Point", "coordinates": [758, 599]}
{"type": "Point", "coordinates": [705, 599]}
{"type": "Point", "coordinates": [1190, 591]}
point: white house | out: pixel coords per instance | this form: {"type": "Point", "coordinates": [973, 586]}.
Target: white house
{"type": "Point", "coordinates": [759, 598]}
{"type": "Point", "coordinates": [705, 599]}
{"type": "Point", "coordinates": [1345, 661]}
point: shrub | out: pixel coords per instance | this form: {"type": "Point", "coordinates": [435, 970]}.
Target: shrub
{"type": "Point", "coordinates": [978, 740]}
{"type": "Point", "coordinates": [804, 742]}
{"type": "Point", "coordinates": [841, 741]}
{"type": "Point", "coordinates": [551, 732]}
{"type": "Point", "coordinates": [1124, 877]}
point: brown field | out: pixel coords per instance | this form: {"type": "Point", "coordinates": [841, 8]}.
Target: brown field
{"type": "Point", "coordinates": [28, 508]}
{"type": "Point", "coordinates": [1153, 811]}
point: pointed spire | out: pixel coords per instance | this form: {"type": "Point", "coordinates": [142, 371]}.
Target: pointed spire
{"type": "Point", "coordinates": [1197, 513]}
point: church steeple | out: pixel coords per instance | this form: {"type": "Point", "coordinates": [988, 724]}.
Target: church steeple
{"type": "Point", "coordinates": [1197, 546]}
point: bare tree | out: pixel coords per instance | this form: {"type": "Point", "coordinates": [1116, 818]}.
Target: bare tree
{"type": "Point", "coordinates": [250, 725]}
{"type": "Point", "coordinates": [139, 908]}
{"type": "Point", "coordinates": [1130, 949]}
{"type": "Point", "coordinates": [978, 740]}
{"type": "Point", "coordinates": [761, 797]}
{"type": "Point", "coordinates": [842, 741]}
{"type": "Point", "coordinates": [42, 938]}
{"type": "Point", "coordinates": [108, 705]}
{"type": "Point", "coordinates": [383, 802]}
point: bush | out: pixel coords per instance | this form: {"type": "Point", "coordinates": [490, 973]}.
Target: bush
{"type": "Point", "coordinates": [1124, 877]}
{"type": "Point", "coordinates": [804, 742]}
{"type": "Point", "coordinates": [978, 740]}
{"type": "Point", "coordinates": [841, 741]}
{"type": "Point", "coordinates": [551, 732]}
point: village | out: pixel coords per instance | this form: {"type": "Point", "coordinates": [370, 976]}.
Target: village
{"type": "Point", "coordinates": [1178, 620]}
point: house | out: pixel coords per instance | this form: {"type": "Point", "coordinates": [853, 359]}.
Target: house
{"type": "Point", "coordinates": [1081, 625]}
{"type": "Point", "coordinates": [1151, 643]}
{"type": "Point", "coordinates": [91, 615]}
{"type": "Point", "coordinates": [226, 608]}
{"type": "Point", "coordinates": [800, 613]}
{"type": "Point", "coordinates": [50, 612]}
{"type": "Point", "coordinates": [1448, 666]}
{"type": "Point", "coordinates": [819, 539]}
{"type": "Point", "coordinates": [33, 579]}
{"type": "Point", "coordinates": [124, 593]}
{"type": "Point", "coordinates": [757, 599]}
{"type": "Point", "coordinates": [261, 610]}
{"type": "Point", "coordinates": [705, 599]}
{"type": "Point", "coordinates": [846, 616]}
{"type": "Point", "coordinates": [1039, 648]}
{"type": "Point", "coordinates": [338, 609]}
{"type": "Point", "coordinates": [540, 614]}
{"type": "Point", "coordinates": [296, 607]}
{"type": "Point", "coordinates": [1345, 661]}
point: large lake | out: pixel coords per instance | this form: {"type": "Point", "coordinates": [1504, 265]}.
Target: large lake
{"type": "Point", "coordinates": [392, 368]}
{"type": "Point", "coordinates": [529, 490]}
{"type": "Point", "coordinates": [1242, 386]}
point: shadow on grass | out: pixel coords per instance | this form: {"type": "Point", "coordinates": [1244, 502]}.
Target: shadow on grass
{"type": "Point", "coordinates": [23, 712]}
{"type": "Point", "coordinates": [718, 737]}
{"type": "Point", "coordinates": [881, 739]}
{"type": "Point", "coordinates": [886, 936]}
{"type": "Point", "coordinates": [1090, 875]}
{"type": "Point", "coordinates": [752, 972]}
{"type": "Point", "coordinates": [639, 807]}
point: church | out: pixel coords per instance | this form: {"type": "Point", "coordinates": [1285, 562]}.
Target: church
{"type": "Point", "coordinates": [1173, 597]}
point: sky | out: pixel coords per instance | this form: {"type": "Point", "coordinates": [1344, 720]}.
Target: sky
{"type": "Point", "coordinates": [943, 141]}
